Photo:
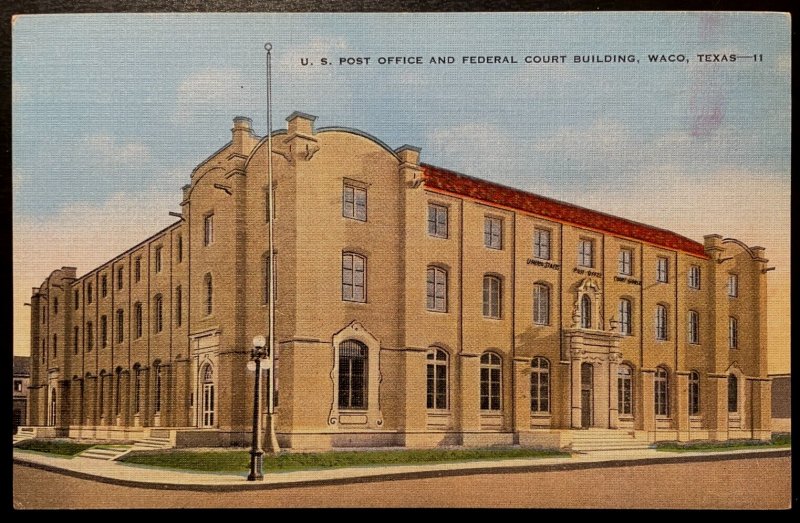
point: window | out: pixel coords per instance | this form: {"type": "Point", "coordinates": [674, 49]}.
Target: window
{"type": "Point", "coordinates": [733, 285]}
{"type": "Point", "coordinates": [352, 375]}
{"type": "Point", "coordinates": [120, 276]}
{"type": "Point", "coordinates": [540, 385]}
{"type": "Point", "coordinates": [118, 385]}
{"type": "Point", "coordinates": [625, 390]}
{"type": "Point", "coordinates": [492, 292]}
{"type": "Point", "coordinates": [55, 345]}
{"type": "Point", "coordinates": [137, 268]}
{"type": "Point", "coordinates": [77, 300]}
{"type": "Point", "coordinates": [662, 269]}
{"type": "Point", "coordinates": [493, 232]}
{"type": "Point", "coordinates": [437, 289]}
{"type": "Point", "coordinates": [44, 315]}
{"type": "Point", "coordinates": [437, 221]}
{"type": "Point", "coordinates": [158, 313]}
{"type": "Point", "coordinates": [157, 398]}
{"type": "Point", "coordinates": [103, 331]}
{"type": "Point", "coordinates": [541, 304]}
{"type": "Point", "coordinates": [733, 394]}
{"type": "Point", "coordinates": [661, 392]}
{"type": "Point", "coordinates": [541, 243]}
{"type": "Point", "coordinates": [101, 393]}
{"type": "Point", "coordinates": [208, 229]}
{"type": "Point", "coordinates": [55, 305]}
{"type": "Point", "coordinates": [157, 256]}
{"type": "Point", "coordinates": [43, 349]}
{"type": "Point", "coordinates": [694, 277]}
{"type": "Point", "coordinates": [626, 262]}
{"type": "Point", "coordinates": [89, 293]}
{"type": "Point", "coordinates": [137, 319]}
{"type": "Point", "coordinates": [137, 389]}
{"type": "Point", "coordinates": [586, 253]}
{"type": "Point", "coordinates": [120, 325]}
{"type": "Point", "coordinates": [89, 336]}
{"type": "Point", "coordinates": [17, 385]}
{"type": "Point", "coordinates": [354, 203]}
{"type": "Point", "coordinates": [694, 327]}
{"type": "Point", "coordinates": [354, 277]}
{"type": "Point", "coordinates": [733, 333]}
{"type": "Point", "coordinates": [490, 381]}
{"type": "Point", "coordinates": [586, 312]}
{"type": "Point", "coordinates": [75, 339]}
{"type": "Point", "coordinates": [179, 248]}
{"type": "Point", "coordinates": [661, 322]}
{"type": "Point", "coordinates": [208, 285]}
{"type": "Point", "coordinates": [104, 286]}
{"type": "Point", "coordinates": [437, 379]}
{"type": "Point", "coordinates": [625, 317]}
{"type": "Point", "coordinates": [178, 306]}
{"type": "Point", "coordinates": [694, 393]}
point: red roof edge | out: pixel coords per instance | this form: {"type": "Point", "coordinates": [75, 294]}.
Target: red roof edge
{"type": "Point", "coordinates": [462, 185]}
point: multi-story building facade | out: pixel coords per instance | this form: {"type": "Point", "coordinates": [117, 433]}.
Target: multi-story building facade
{"type": "Point", "coordinates": [22, 376]}
{"type": "Point", "coordinates": [415, 306]}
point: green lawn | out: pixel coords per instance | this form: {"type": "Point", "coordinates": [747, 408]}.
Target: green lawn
{"type": "Point", "coordinates": [778, 441]}
{"type": "Point", "coordinates": [53, 446]}
{"type": "Point", "coordinates": [239, 461]}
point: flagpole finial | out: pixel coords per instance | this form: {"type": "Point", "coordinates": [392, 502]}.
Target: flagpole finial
{"type": "Point", "coordinates": [268, 46]}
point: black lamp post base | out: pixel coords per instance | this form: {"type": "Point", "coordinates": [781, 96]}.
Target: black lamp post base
{"type": "Point", "coordinates": [256, 460]}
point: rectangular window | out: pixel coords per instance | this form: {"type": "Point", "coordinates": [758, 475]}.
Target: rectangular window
{"type": "Point", "coordinates": [17, 385]}
{"type": "Point", "coordinates": [353, 277]}
{"type": "Point", "coordinates": [137, 268]}
{"type": "Point", "coordinates": [104, 286]}
{"type": "Point", "coordinates": [120, 325]}
{"type": "Point", "coordinates": [437, 221]}
{"type": "Point", "coordinates": [77, 300]}
{"type": "Point", "coordinates": [541, 244]}
{"type": "Point", "coordinates": [586, 253]}
{"type": "Point", "coordinates": [733, 333]}
{"type": "Point", "coordinates": [178, 306]}
{"type": "Point", "coordinates": [157, 257]}
{"type": "Point", "coordinates": [354, 203]}
{"type": "Point", "coordinates": [694, 277]}
{"type": "Point", "coordinates": [625, 316]}
{"type": "Point", "coordinates": [103, 331]}
{"type": "Point", "coordinates": [541, 304]}
{"type": "Point", "coordinates": [662, 269]}
{"type": "Point", "coordinates": [733, 285]}
{"type": "Point", "coordinates": [661, 322]}
{"type": "Point", "coordinates": [208, 229]}
{"type": "Point", "coordinates": [436, 289]}
{"type": "Point", "coordinates": [120, 276]}
{"type": "Point", "coordinates": [493, 232]}
{"type": "Point", "coordinates": [88, 295]}
{"type": "Point", "coordinates": [137, 318]}
{"type": "Point", "coordinates": [352, 375]}
{"type": "Point", "coordinates": [491, 296]}
{"type": "Point", "coordinates": [179, 248]}
{"type": "Point", "coordinates": [625, 262]}
{"type": "Point", "coordinates": [75, 340]}
{"type": "Point", "coordinates": [89, 336]}
{"type": "Point", "coordinates": [694, 327]}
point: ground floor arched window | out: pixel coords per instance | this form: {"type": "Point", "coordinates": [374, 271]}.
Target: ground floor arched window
{"type": "Point", "coordinates": [625, 390]}
{"type": "Point", "coordinates": [661, 392]}
{"type": "Point", "coordinates": [353, 358]}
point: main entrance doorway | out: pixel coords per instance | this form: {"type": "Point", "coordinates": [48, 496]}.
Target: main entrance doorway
{"type": "Point", "coordinates": [208, 396]}
{"type": "Point", "coordinates": [587, 378]}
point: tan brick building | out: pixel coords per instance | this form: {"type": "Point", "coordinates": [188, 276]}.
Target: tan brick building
{"type": "Point", "coordinates": [415, 306]}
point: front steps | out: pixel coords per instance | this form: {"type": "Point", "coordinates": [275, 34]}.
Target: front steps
{"type": "Point", "coordinates": [591, 440]}
{"type": "Point", "coordinates": [22, 434]}
{"type": "Point", "coordinates": [106, 453]}
{"type": "Point", "coordinates": [153, 442]}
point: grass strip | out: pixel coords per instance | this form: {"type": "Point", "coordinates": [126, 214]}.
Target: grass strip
{"type": "Point", "coordinates": [53, 446]}
{"type": "Point", "coordinates": [777, 441]}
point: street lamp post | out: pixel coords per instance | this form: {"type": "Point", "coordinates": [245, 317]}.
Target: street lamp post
{"type": "Point", "coordinates": [258, 352]}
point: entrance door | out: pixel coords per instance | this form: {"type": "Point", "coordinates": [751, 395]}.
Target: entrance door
{"type": "Point", "coordinates": [208, 396]}
{"type": "Point", "coordinates": [587, 375]}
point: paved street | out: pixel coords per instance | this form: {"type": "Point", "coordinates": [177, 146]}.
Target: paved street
{"type": "Point", "coordinates": [736, 483]}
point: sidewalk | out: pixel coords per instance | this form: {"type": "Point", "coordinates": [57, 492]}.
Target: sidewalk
{"type": "Point", "coordinates": [160, 478]}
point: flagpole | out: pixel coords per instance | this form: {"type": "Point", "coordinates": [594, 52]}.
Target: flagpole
{"type": "Point", "coordinates": [271, 443]}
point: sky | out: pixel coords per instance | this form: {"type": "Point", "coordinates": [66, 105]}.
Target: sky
{"type": "Point", "coordinates": [112, 112]}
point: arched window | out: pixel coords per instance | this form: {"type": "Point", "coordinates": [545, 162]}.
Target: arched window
{"type": "Point", "coordinates": [661, 392]}
{"type": "Point", "coordinates": [733, 393]}
{"type": "Point", "coordinates": [208, 285]}
{"type": "Point", "coordinates": [541, 304]}
{"type": "Point", "coordinates": [491, 379]}
{"type": "Point", "coordinates": [586, 312]}
{"type": "Point", "coordinates": [137, 388]}
{"type": "Point", "coordinates": [158, 313]}
{"type": "Point", "coordinates": [694, 393]}
{"type": "Point", "coordinates": [437, 379]}
{"type": "Point", "coordinates": [661, 322]}
{"type": "Point", "coordinates": [157, 372]}
{"type": "Point", "coordinates": [693, 323]}
{"type": "Point", "coordinates": [89, 336]}
{"type": "Point", "coordinates": [733, 333]}
{"type": "Point", "coordinates": [540, 385]}
{"type": "Point", "coordinates": [137, 318]}
{"type": "Point", "coordinates": [625, 390]}
{"type": "Point", "coordinates": [352, 375]}
{"type": "Point", "coordinates": [492, 294]}
{"type": "Point", "coordinates": [625, 316]}
{"type": "Point", "coordinates": [208, 395]}
{"type": "Point", "coordinates": [354, 277]}
{"type": "Point", "coordinates": [89, 293]}
{"type": "Point", "coordinates": [436, 291]}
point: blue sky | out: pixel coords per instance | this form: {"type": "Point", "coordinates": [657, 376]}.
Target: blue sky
{"type": "Point", "coordinates": [116, 110]}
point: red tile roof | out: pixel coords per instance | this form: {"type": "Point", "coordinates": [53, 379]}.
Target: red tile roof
{"type": "Point", "coordinates": [459, 184]}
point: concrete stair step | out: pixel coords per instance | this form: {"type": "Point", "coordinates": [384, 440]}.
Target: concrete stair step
{"type": "Point", "coordinates": [104, 454]}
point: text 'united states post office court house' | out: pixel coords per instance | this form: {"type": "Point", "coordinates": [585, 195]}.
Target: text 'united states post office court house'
{"type": "Point", "coordinates": [415, 307]}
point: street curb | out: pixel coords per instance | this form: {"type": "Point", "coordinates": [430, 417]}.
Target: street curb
{"type": "Point", "coordinates": [422, 474]}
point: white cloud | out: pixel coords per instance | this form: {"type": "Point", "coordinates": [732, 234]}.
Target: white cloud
{"type": "Point", "coordinates": [110, 151]}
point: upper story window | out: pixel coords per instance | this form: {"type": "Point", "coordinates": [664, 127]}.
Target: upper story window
{"type": "Point", "coordinates": [208, 229]}
{"type": "Point", "coordinates": [89, 336]}
{"type": "Point", "coordinates": [694, 327]}
{"type": "Point", "coordinates": [354, 277]}
{"type": "Point", "coordinates": [625, 316]}
{"type": "Point", "coordinates": [103, 331]}
{"type": "Point", "coordinates": [733, 285]}
{"type": "Point", "coordinates": [137, 320]}
{"type": "Point", "coordinates": [586, 253]}
{"type": "Point", "coordinates": [137, 269]}
{"type": "Point", "coordinates": [178, 306]}
{"type": "Point", "coordinates": [662, 269]}
{"type": "Point", "coordinates": [208, 284]}
{"type": "Point", "coordinates": [437, 379]}
{"type": "Point", "coordinates": [43, 314]}
{"type": "Point", "coordinates": [158, 313]}
{"type": "Point", "coordinates": [17, 385]}
{"type": "Point", "coordinates": [541, 243]}
{"type": "Point", "coordinates": [55, 345]}
{"type": "Point", "coordinates": [491, 381]}
{"type": "Point", "coordinates": [493, 232]}
{"type": "Point", "coordinates": [437, 220]}
{"type": "Point", "coordinates": [733, 333]}
{"type": "Point", "coordinates": [120, 325]}
{"type": "Point", "coordinates": [77, 300]}
{"type": "Point", "coordinates": [55, 305]}
{"type": "Point", "coordinates": [436, 291]}
{"type": "Point", "coordinates": [492, 294]}
{"type": "Point", "coordinates": [661, 322]}
{"type": "Point", "coordinates": [586, 312]}
{"type": "Point", "coordinates": [694, 277]}
{"type": "Point", "coordinates": [157, 256]}
{"type": "Point", "coordinates": [625, 262]}
{"type": "Point", "coordinates": [120, 277]}
{"type": "Point", "coordinates": [354, 202]}
{"type": "Point", "coordinates": [89, 293]}
{"type": "Point", "coordinates": [103, 285]}
{"type": "Point", "coordinates": [75, 340]}
{"type": "Point", "coordinates": [179, 248]}
{"type": "Point", "coordinates": [541, 304]}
